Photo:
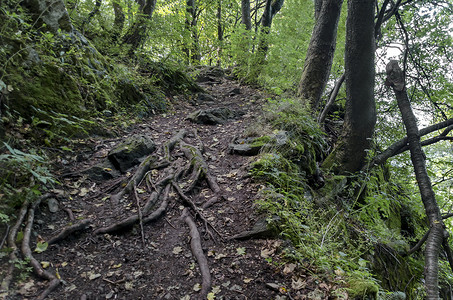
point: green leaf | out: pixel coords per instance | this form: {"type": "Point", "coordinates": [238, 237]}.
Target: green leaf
{"type": "Point", "coordinates": [41, 247]}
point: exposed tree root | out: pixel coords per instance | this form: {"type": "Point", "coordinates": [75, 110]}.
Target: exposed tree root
{"type": "Point", "coordinates": [65, 232]}
{"type": "Point", "coordinates": [197, 251]}
{"type": "Point", "coordinates": [26, 251]}
{"type": "Point", "coordinates": [12, 245]}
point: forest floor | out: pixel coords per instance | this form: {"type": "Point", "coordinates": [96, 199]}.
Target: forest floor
{"type": "Point", "coordinates": [159, 259]}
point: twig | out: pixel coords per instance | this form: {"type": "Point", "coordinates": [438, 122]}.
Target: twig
{"type": "Point", "coordinates": [70, 213]}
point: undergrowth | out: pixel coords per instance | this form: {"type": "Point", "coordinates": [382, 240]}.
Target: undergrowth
{"type": "Point", "coordinates": [335, 229]}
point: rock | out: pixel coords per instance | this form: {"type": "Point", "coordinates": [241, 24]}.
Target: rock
{"type": "Point", "coordinates": [127, 154]}
{"type": "Point", "coordinates": [245, 149]}
{"type": "Point", "coordinates": [213, 116]}
{"type": "Point", "coordinates": [261, 230]}
{"type": "Point", "coordinates": [53, 205]}
{"type": "Point", "coordinates": [392, 296]}
{"type": "Point", "coordinates": [205, 98]}
{"type": "Point", "coordinates": [102, 171]}
{"type": "Point", "coordinates": [252, 146]}
{"type": "Point", "coordinates": [235, 91]}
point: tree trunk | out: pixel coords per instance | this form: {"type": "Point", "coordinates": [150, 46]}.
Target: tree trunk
{"type": "Point", "coordinates": [219, 32]}
{"type": "Point", "coordinates": [137, 32]}
{"type": "Point", "coordinates": [118, 23]}
{"type": "Point", "coordinates": [321, 50]}
{"type": "Point", "coordinates": [193, 49]}
{"type": "Point", "coordinates": [395, 78]}
{"type": "Point", "coordinates": [246, 18]}
{"type": "Point", "coordinates": [360, 112]}
{"type": "Point", "coordinates": [54, 15]}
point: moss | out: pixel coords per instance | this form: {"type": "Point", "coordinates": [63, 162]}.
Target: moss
{"type": "Point", "coordinates": [261, 141]}
{"type": "Point", "coordinates": [363, 289]}
{"type": "Point", "coordinates": [48, 88]}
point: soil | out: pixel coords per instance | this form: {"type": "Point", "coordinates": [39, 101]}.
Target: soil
{"type": "Point", "coordinates": [156, 260]}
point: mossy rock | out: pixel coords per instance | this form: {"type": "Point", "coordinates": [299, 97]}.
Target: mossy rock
{"type": "Point", "coordinates": [363, 289]}
{"type": "Point", "coordinates": [48, 88]}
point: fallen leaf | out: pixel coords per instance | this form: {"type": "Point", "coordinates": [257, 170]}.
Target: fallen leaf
{"type": "Point", "coordinates": [177, 250]}
{"type": "Point", "coordinates": [129, 286]}
{"type": "Point", "coordinates": [220, 256]}
{"type": "Point", "coordinates": [298, 284]}
{"type": "Point", "coordinates": [210, 296]}
{"type": "Point", "coordinates": [83, 192]}
{"type": "Point", "coordinates": [247, 280]}
{"type": "Point", "coordinates": [64, 264]}
{"type": "Point", "coordinates": [240, 251]}
{"type": "Point", "coordinates": [116, 266]}
{"type": "Point", "coordinates": [265, 253]}
{"type": "Point", "coordinates": [93, 276]}
{"type": "Point", "coordinates": [45, 264]}
{"type": "Point", "coordinates": [197, 287]}
{"type": "Point", "coordinates": [289, 268]}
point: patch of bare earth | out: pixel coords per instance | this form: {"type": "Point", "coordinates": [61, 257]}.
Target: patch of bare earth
{"type": "Point", "coordinates": [166, 233]}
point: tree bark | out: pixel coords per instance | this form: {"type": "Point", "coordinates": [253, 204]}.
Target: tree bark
{"type": "Point", "coordinates": [137, 32]}
{"type": "Point", "coordinates": [350, 152]}
{"type": "Point", "coordinates": [395, 78]}
{"type": "Point", "coordinates": [118, 22]}
{"type": "Point", "coordinates": [246, 18]}
{"type": "Point", "coordinates": [321, 50]}
{"type": "Point", "coordinates": [192, 50]}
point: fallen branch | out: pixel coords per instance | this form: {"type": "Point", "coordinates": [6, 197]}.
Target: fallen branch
{"type": "Point", "coordinates": [65, 232]}
{"type": "Point", "coordinates": [197, 251]}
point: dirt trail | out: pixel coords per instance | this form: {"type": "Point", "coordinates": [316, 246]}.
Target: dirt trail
{"type": "Point", "coordinates": [156, 260]}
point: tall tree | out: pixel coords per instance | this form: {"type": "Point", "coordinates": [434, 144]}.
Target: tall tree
{"type": "Point", "coordinates": [318, 61]}
{"type": "Point", "coordinates": [395, 78]}
{"type": "Point", "coordinates": [245, 12]}
{"type": "Point", "coordinates": [271, 8]}
{"type": "Point", "coordinates": [192, 49]}
{"type": "Point", "coordinates": [138, 30]}
{"type": "Point", "coordinates": [360, 111]}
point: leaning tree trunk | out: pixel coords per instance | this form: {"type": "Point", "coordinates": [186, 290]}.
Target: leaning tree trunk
{"type": "Point", "coordinates": [395, 78]}
{"type": "Point", "coordinates": [360, 113]}
{"type": "Point", "coordinates": [321, 50]}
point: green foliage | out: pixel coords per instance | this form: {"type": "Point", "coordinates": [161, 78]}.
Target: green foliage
{"type": "Point", "coordinates": [23, 177]}
{"type": "Point", "coordinates": [59, 127]}
{"type": "Point", "coordinates": [306, 140]}
{"type": "Point", "coordinates": [23, 267]}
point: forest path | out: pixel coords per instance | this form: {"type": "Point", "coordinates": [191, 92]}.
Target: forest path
{"type": "Point", "coordinates": [158, 259]}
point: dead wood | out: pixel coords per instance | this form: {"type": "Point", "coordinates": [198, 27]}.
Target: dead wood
{"type": "Point", "coordinates": [197, 251]}
{"type": "Point", "coordinates": [65, 232]}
